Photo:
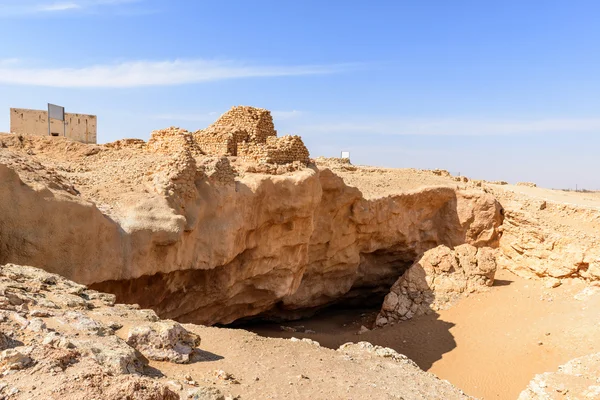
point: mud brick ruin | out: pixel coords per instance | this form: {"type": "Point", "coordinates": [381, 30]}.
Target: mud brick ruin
{"type": "Point", "coordinates": [249, 133]}
{"type": "Point", "coordinates": [245, 132]}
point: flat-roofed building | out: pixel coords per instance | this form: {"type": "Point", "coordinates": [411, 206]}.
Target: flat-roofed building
{"type": "Point", "coordinates": [77, 127]}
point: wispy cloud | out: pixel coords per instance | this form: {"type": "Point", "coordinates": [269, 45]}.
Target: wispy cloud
{"type": "Point", "coordinates": [59, 7]}
{"type": "Point", "coordinates": [454, 126]}
{"type": "Point", "coordinates": [282, 115]}
{"type": "Point", "coordinates": [32, 7]}
{"type": "Point", "coordinates": [152, 73]}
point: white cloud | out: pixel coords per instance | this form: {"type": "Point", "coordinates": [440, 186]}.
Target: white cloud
{"type": "Point", "coordinates": [59, 7]}
{"type": "Point", "coordinates": [28, 7]}
{"type": "Point", "coordinates": [462, 127]}
{"type": "Point", "coordinates": [150, 73]}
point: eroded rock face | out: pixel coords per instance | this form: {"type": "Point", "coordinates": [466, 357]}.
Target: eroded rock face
{"type": "Point", "coordinates": [199, 240]}
{"type": "Point", "coordinates": [545, 239]}
{"type": "Point", "coordinates": [231, 250]}
{"type": "Point", "coordinates": [577, 379]}
{"type": "Point", "coordinates": [438, 278]}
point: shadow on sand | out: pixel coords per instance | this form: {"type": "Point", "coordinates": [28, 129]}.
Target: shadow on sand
{"type": "Point", "coordinates": [423, 339]}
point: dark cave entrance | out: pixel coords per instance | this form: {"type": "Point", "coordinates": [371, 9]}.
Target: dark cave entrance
{"type": "Point", "coordinates": [344, 316]}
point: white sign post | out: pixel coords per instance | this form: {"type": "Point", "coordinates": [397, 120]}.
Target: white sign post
{"type": "Point", "coordinates": [346, 154]}
{"type": "Point", "coordinates": [56, 112]}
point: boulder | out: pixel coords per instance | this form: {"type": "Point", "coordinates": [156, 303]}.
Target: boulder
{"type": "Point", "coordinates": [164, 341]}
{"type": "Point", "coordinates": [111, 352]}
{"type": "Point", "coordinates": [13, 359]}
{"type": "Point", "coordinates": [436, 280]}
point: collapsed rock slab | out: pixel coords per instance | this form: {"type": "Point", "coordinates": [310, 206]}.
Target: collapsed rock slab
{"type": "Point", "coordinates": [164, 341]}
{"type": "Point", "coordinates": [438, 278]}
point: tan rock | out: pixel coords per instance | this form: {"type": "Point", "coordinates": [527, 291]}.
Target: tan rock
{"type": "Point", "coordinates": [551, 240]}
{"type": "Point", "coordinates": [577, 379]}
{"type": "Point", "coordinates": [13, 359]}
{"type": "Point", "coordinates": [164, 341]}
{"type": "Point", "coordinates": [200, 239]}
{"type": "Point", "coordinates": [437, 279]}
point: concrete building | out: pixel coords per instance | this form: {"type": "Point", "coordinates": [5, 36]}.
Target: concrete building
{"type": "Point", "coordinates": [78, 127]}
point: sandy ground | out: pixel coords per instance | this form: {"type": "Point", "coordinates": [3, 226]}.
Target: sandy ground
{"type": "Point", "coordinates": [581, 199]}
{"type": "Point", "coordinates": [490, 345]}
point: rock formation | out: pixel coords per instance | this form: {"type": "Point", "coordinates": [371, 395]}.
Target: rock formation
{"type": "Point", "coordinates": [60, 340]}
{"type": "Point", "coordinates": [548, 239]}
{"type": "Point", "coordinates": [439, 277]}
{"type": "Point", "coordinates": [577, 379]}
{"type": "Point", "coordinates": [203, 239]}
{"type": "Point", "coordinates": [53, 343]}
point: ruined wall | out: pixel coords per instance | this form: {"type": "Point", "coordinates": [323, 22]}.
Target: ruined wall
{"type": "Point", "coordinates": [283, 150]}
{"type": "Point", "coordinates": [249, 133]}
{"type": "Point", "coordinates": [258, 122]}
{"type": "Point", "coordinates": [219, 140]}
{"type": "Point", "coordinates": [171, 141]}
{"type": "Point", "coordinates": [79, 127]}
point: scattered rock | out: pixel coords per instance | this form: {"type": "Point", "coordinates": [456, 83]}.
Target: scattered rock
{"type": "Point", "coordinates": [552, 283]}
{"type": "Point", "coordinates": [363, 329]}
{"type": "Point", "coordinates": [112, 353]}
{"type": "Point", "coordinates": [577, 379]}
{"type": "Point", "coordinates": [206, 393]}
{"type": "Point", "coordinates": [225, 376]}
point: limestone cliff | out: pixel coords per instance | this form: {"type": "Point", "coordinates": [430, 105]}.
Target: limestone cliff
{"type": "Point", "coordinates": [184, 226]}
{"type": "Point", "coordinates": [207, 249]}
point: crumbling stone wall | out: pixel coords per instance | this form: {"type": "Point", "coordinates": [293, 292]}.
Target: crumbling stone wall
{"type": "Point", "coordinates": [276, 150]}
{"type": "Point", "coordinates": [249, 133]}
{"type": "Point", "coordinates": [257, 122]}
{"type": "Point", "coordinates": [220, 140]}
{"type": "Point", "coordinates": [173, 140]}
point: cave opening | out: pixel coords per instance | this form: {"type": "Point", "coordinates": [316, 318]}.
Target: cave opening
{"type": "Point", "coordinates": [344, 317]}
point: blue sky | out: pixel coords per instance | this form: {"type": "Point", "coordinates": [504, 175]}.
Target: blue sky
{"type": "Point", "coordinates": [496, 90]}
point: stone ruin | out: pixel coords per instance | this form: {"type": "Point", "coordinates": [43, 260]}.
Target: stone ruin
{"type": "Point", "coordinates": [249, 133]}
{"type": "Point", "coordinates": [244, 132]}
{"type": "Point", "coordinates": [171, 141]}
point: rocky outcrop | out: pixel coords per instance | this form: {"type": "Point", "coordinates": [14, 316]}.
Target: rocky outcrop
{"type": "Point", "coordinates": [52, 335]}
{"type": "Point", "coordinates": [548, 239]}
{"type": "Point", "coordinates": [577, 379]}
{"type": "Point", "coordinates": [436, 280]}
{"type": "Point", "coordinates": [319, 245]}
{"type": "Point", "coordinates": [201, 239]}
{"type": "Point", "coordinates": [66, 360]}
{"type": "Point", "coordinates": [214, 250]}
